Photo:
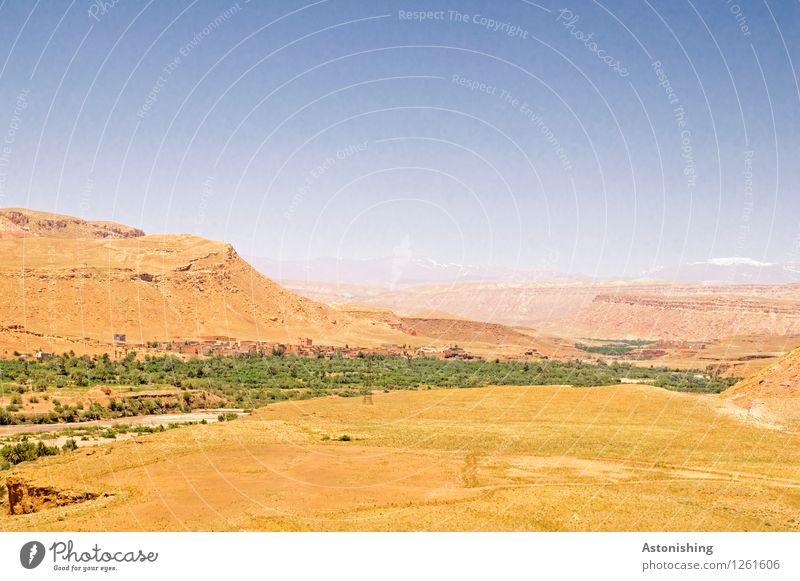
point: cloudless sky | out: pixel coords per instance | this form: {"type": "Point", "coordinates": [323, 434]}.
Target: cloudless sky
{"type": "Point", "coordinates": [603, 138]}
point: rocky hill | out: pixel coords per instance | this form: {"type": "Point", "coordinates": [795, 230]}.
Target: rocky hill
{"type": "Point", "coordinates": [780, 380]}
{"type": "Point", "coordinates": [149, 288]}
{"type": "Point", "coordinates": [20, 223]}
{"type": "Point", "coordinates": [772, 395]}
{"type": "Point", "coordinates": [63, 279]}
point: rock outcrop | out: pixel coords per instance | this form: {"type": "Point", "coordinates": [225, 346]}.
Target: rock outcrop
{"type": "Point", "coordinates": [26, 498]}
{"type": "Point", "coordinates": [20, 223]}
{"type": "Point", "coordinates": [63, 277]}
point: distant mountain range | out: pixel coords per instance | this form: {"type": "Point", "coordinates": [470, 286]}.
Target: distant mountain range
{"type": "Point", "coordinates": [733, 270]}
{"type": "Point", "coordinates": [398, 272]}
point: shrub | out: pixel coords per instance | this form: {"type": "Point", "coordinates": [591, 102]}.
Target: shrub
{"type": "Point", "coordinates": [344, 438]}
{"type": "Point", "coordinates": [40, 384]}
{"type": "Point", "coordinates": [26, 452]}
{"type": "Point", "coordinates": [78, 377]}
{"type": "Point", "coordinates": [69, 415]}
{"type": "Point", "coordinates": [70, 445]}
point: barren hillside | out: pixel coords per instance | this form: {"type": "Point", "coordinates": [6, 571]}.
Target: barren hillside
{"type": "Point", "coordinates": [151, 287]}
{"type": "Point", "coordinates": [781, 379]}
{"type": "Point", "coordinates": [63, 279]}
{"type": "Point", "coordinates": [772, 395]}
{"type": "Point", "coordinates": [20, 223]}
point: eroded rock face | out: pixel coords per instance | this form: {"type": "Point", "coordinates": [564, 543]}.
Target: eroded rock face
{"type": "Point", "coordinates": [22, 223]}
{"type": "Point", "coordinates": [25, 497]}
{"type": "Point", "coordinates": [697, 317]}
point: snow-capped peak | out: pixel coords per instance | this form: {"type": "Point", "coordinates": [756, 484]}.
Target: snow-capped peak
{"type": "Point", "coordinates": [733, 261]}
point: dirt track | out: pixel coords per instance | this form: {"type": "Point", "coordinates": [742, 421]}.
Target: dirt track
{"type": "Point", "coordinates": [151, 420]}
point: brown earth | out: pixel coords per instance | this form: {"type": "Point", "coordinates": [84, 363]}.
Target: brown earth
{"type": "Point", "coordinates": [498, 458]}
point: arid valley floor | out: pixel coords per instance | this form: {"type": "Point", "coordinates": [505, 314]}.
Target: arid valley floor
{"type": "Point", "coordinates": [627, 457]}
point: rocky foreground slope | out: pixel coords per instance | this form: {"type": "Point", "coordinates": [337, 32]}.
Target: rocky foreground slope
{"type": "Point", "coordinates": [771, 395]}
{"type": "Point", "coordinates": [779, 380]}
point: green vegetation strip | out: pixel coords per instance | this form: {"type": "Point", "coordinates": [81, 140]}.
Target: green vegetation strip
{"type": "Point", "coordinates": [26, 450]}
{"type": "Point", "coordinates": [614, 347]}
{"type": "Point", "coordinates": [256, 381]}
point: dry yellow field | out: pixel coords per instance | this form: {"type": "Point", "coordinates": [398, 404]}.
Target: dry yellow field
{"type": "Point", "coordinates": [499, 458]}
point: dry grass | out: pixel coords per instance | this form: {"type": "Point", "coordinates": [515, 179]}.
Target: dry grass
{"type": "Point", "coordinates": [498, 458]}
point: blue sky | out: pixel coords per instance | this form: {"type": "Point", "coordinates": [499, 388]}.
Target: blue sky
{"type": "Point", "coordinates": [596, 138]}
